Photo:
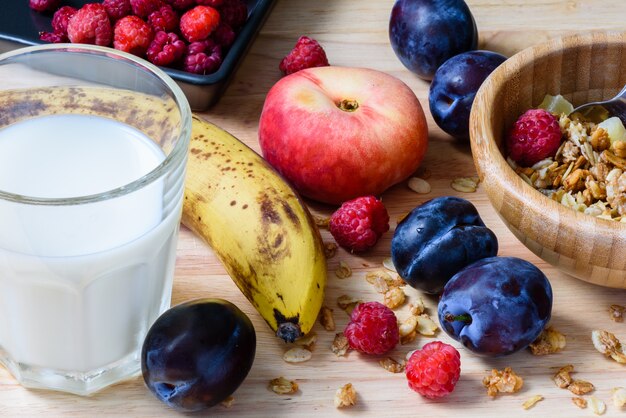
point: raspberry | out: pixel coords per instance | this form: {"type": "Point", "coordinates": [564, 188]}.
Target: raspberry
{"type": "Point", "coordinates": [224, 35]}
{"type": "Point", "coordinates": [61, 18]}
{"type": "Point", "coordinates": [198, 23]}
{"type": "Point", "coordinates": [43, 5]}
{"type": "Point", "coordinates": [53, 37]}
{"type": "Point", "coordinates": [534, 136]}
{"type": "Point", "coordinates": [212, 3]}
{"type": "Point", "coordinates": [358, 224]}
{"type": "Point", "coordinates": [373, 328]}
{"type": "Point", "coordinates": [165, 49]}
{"type": "Point", "coordinates": [234, 13]}
{"type": "Point", "coordinates": [90, 25]}
{"type": "Point", "coordinates": [164, 19]}
{"type": "Point", "coordinates": [143, 8]}
{"type": "Point", "coordinates": [117, 9]}
{"type": "Point", "coordinates": [306, 54]}
{"type": "Point", "coordinates": [181, 4]}
{"type": "Point", "coordinates": [434, 370]}
{"type": "Point", "coordinates": [133, 35]}
{"type": "Point", "coordinates": [203, 57]}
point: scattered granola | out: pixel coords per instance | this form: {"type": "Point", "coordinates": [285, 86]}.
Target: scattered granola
{"type": "Point", "coordinates": [345, 396]}
{"type": "Point", "coordinates": [308, 341]}
{"type": "Point", "coordinates": [330, 249]}
{"type": "Point", "coordinates": [228, 402]}
{"type": "Point", "coordinates": [321, 221]}
{"type": "Point", "coordinates": [617, 312]}
{"type": "Point", "coordinates": [282, 386]}
{"type": "Point", "coordinates": [587, 172]}
{"type": "Point", "coordinates": [597, 406]}
{"type": "Point", "coordinates": [343, 271]}
{"type": "Point", "coordinates": [419, 185]}
{"type": "Point", "coordinates": [505, 381]}
{"type": "Point", "coordinates": [391, 365]}
{"type": "Point", "coordinates": [407, 330]}
{"type": "Point", "coordinates": [340, 345]}
{"type": "Point", "coordinates": [549, 341]}
{"type": "Point", "coordinates": [580, 402]}
{"type": "Point", "coordinates": [379, 279]}
{"type": "Point", "coordinates": [465, 184]}
{"type": "Point", "coordinates": [297, 355]}
{"type": "Point", "coordinates": [426, 326]}
{"type": "Point", "coordinates": [418, 307]}
{"type": "Point", "coordinates": [326, 318]}
{"type": "Point", "coordinates": [394, 298]}
{"type": "Point", "coordinates": [619, 397]}
{"type": "Point", "coordinates": [529, 403]}
{"type": "Point", "coordinates": [608, 344]}
{"type": "Point", "coordinates": [562, 377]}
{"type": "Point", "coordinates": [388, 264]}
{"type": "Point", "coordinates": [580, 387]}
{"type": "Point", "coordinates": [347, 303]}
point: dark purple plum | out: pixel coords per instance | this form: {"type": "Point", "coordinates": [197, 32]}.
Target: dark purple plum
{"type": "Point", "coordinates": [496, 306]}
{"type": "Point", "coordinates": [425, 33]}
{"type": "Point", "coordinates": [454, 87]}
{"type": "Point", "coordinates": [437, 239]}
{"type": "Point", "coordinates": [197, 353]}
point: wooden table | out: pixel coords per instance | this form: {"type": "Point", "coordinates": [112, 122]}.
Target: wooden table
{"type": "Point", "coordinates": [354, 33]}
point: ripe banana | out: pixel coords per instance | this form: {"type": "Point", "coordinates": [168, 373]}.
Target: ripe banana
{"type": "Point", "coordinates": [234, 200]}
{"type": "Point", "coordinates": [258, 227]}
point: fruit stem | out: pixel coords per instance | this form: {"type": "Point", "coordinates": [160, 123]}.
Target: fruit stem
{"type": "Point", "coordinates": [348, 105]}
{"type": "Point", "coordinates": [463, 318]}
{"type": "Point", "coordinates": [288, 331]}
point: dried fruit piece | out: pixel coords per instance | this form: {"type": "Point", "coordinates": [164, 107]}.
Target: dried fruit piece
{"type": "Point", "coordinates": [228, 402]}
{"type": "Point", "coordinates": [505, 381]}
{"type": "Point", "coordinates": [617, 312]}
{"type": "Point", "coordinates": [426, 326]}
{"type": "Point", "coordinates": [340, 345]}
{"type": "Point", "coordinates": [562, 377]}
{"type": "Point", "coordinates": [419, 185]}
{"type": "Point", "coordinates": [549, 341]}
{"type": "Point", "coordinates": [580, 402]}
{"type": "Point", "coordinates": [597, 406]}
{"type": "Point", "coordinates": [283, 386]}
{"type": "Point", "coordinates": [297, 355]}
{"type": "Point", "coordinates": [394, 298]}
{"type": "Point", "coordinates": [619, 396]}
{"type": "Point", "coordinates": [343, 271]}
{"type": "Point", "coordinates": [391, 365]}
{"type": "Point", "coordinates": [345, 396]}
{"type": "Point", "coordinates": [530, 402]}
{"type": "Point", "coordinates": [580, 387]}
{"type": "Point", "coordinates": [326, 318]}
{"type": "Point", "coordinates": [330, 249]}
{"type": "Point", "coordinates": [608, 344]}
{"type": "Point", "coordinates": [465, 184]}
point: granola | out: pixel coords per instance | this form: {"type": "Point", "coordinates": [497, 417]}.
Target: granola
{"type": "Point", "coordinates": [529, 403]}
{"type": "Point", "coordinates": [617, 312]}
{"type": "Point", "coordinates": [282, 386]}
{"type": "Point", "coordinates": [330, 249]}
{"type": "Point", "coordinates": [465, 184]}
{"type": "Point", "coordinates": [426, 326]}
{"type": "Point", "coordinates": [326, 318]}
{"type": "Point", "coordinates": [419, 185]}
{"type": "Point", "coordinates": [297, 355]}
{"type": "Point", "coordinates": [549, 341]}
{"type": "Point", "coordinates": [587, 173]}
{"type": "Point", "coordinates": [343, 271]}
{"type": "Point", "coordinates": [580, 402]}
{"type": "Point", "coordinates": [505, 381]}
{"type": "Point", "coordinates": [391, 365]}
{"type": "Point", "coordinates": [394, 298]}
{"type": "Point", "coordinates": [608, 344]}
{"type": "Point", "coordinates": [345, 396]}
{"type": "Point", "coordinates": [597, 406]}
{"type": "Point", "coordinates": [619, 396]}
{"type": "Point", "coordinates": [340, 345]}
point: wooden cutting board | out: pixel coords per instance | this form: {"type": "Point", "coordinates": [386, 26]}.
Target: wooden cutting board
{"type": "Point", "coordinates": [354, 33]}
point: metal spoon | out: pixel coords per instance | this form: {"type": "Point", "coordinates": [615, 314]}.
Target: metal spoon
{"type": "Point", "coordinates": [615, 106]}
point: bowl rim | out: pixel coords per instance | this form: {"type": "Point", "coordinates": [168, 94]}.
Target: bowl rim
{"type": "Point", "coordinates": [482, 138]}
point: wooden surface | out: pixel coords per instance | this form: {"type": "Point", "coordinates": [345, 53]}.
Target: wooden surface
{"type": "Point", "coordinates": [354, 33]}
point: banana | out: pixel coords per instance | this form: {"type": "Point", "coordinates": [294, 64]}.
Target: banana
{"type": "Point", "coordinates": [258, 227]}
{"type": "Point", "coordinates": [253, 220]}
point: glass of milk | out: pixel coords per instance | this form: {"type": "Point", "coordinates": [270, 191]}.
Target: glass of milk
{"type": "Point", "coordinates": [93, 147]}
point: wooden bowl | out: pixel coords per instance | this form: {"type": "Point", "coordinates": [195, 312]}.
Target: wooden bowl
{"type": "Point", "coordinates": [583, 68]}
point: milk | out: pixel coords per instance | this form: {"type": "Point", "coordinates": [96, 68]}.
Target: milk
{"type": "Point", "coordinates": [80, 284]}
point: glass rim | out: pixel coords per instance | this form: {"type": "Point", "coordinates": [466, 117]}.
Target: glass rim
{"type": "Point", "coordinates": [176, 155]}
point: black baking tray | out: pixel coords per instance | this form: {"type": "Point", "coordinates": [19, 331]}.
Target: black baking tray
{"type": "Point", "coordinates": [20, 26]}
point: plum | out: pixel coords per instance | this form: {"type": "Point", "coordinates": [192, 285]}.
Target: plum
{"type": "Point", "coordinates": [496, 306]}
{"type": "Point", "coordinates": [437, 239]}
{"type": "Point", "coordinates": [197, 353]}
{"type": "Point", "coordinates": [425, 33]}
{"type": "Point", "coordinates": [454, 87]}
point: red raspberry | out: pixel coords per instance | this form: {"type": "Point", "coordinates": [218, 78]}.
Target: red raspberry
{"type": "Point", "coordinates": [198, 23]}
{"type": "Point", "coordinates": [43, 5]}
{"type": "Point", "coordinates": [53, 37]}
{"type": "Point", "coordinates": [212, 3]}
{"type": "Point", "coordinates": [61, 18]}
{"type": "Point", "coordinates": [165, 49]}
{"type": "Point", "coordinates": [306, 54]}
{"type": "Point", "coordinates": [224, 35]}
{"type": "Point", "coordinates": [143, 8]}
{"type": "Point", "coordinates": [358, 223]}
{"type": "Point", "coordinates": [133, 35]}
{"type": "Point", "coordinates": [234, 13]}
{"type": "Point", "coordinates": [164, 19]}
{"type": "Point", "coordinates": [117, 9]}
{"type": "Point", "coordinates": [181, 4]}
{"type": "Point", "coordinates": [534, 136]}
{"type": "Point", "coordinates": [373, 328]}
{"type": "Point", "coordinates": [434, 370]}
{"type": "Point", "coordinates": [203, 59]}
{"type": "Point", "coordinates": [90, 25]}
